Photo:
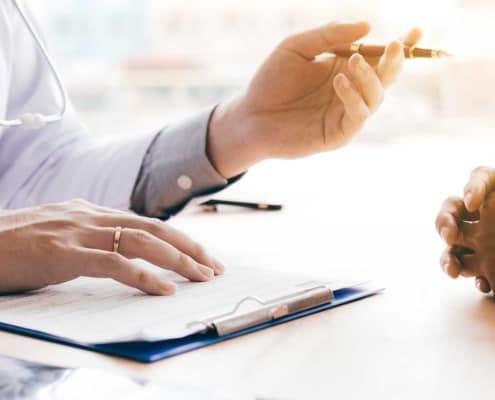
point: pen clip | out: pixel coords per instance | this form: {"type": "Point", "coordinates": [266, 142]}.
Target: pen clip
{"type": "Point", "coordinates": [269, 310]}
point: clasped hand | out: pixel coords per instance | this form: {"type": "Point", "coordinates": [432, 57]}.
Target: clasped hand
{"type": "Point", "coordinates": [467, 225]}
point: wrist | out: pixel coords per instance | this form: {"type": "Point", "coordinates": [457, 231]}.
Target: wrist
{"type": "Point", "coordinates": [232, 147]}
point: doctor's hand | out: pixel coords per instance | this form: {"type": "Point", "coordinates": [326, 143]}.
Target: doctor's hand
{"type": "Point", "coordinates": [56, 243]}
{"type": "Point", "coordinates": [301, 102]}
{"type": "Point", "coordinates": [470, 250]}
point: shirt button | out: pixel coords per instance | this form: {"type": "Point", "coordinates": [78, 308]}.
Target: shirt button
{"type": "Point", "coordinates": [184, 182]}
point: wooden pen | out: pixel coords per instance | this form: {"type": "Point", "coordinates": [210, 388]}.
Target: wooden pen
{"type": "Point", "coordinates": [378, 51]}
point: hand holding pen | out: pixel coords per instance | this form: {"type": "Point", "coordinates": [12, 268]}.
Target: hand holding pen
{"type": "Point", "coordinates": [300, 103]}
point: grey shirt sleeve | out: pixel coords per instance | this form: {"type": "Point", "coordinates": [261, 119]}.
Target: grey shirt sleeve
{"type": "Point", "coordinates": [176, 168]}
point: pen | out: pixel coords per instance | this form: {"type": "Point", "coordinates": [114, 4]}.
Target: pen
{"type": "Point", "coordinates": [378, 51]}
{"type": "Point", "coordinates": [256, 206]}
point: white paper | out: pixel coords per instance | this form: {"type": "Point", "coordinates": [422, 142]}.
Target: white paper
{"type": "Point", "coordinates": [102, 310]}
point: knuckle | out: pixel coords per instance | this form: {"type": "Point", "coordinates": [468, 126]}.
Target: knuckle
{"type": "Point", "coordinates": [154, 226]}
{"type": "Point", "coordinates": [60, 226]}
{"type": "Point", "coordinates": [183, 260]}
{"type": "Point", "coordinates": [439, 221]}
{"type": "Point", "coordinates": [199, 251]}
{"type": "Point", "coordinates": [483, 172]}
{"type": "Point", "coordinates": [443, 216]}
{"type": "Point", "coordinates": [112, 258]}
{"type": "Point", "coordinates": [77, 212]}
{"type": "Point", "coordinates": [79, 201]}
{"type": "Point", "coordinates": [141, 236]}
{"type": "Point", "coordinates": [76, 208]}
{"type": "Point", "coordinates": [451, 202]}
{"type": "Point", "coordinates": [478, 169]}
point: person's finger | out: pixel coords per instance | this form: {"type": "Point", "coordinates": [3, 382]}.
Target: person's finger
{"type": "Point", "coordinates": [365, 77]}
{"type": "Point", "coordinates": [188, 246]}
{"type": "Point", "coordinates": [166, 233]}
{"type": "Point", "coordinates": [450, 264]}
{"type": "Point", "coordinates": [311, 43]}
{"type": "Point", "coordinates": [105, 264]}
{"type": "Point", "coordinates": [481, 182]}
{"type": "Point", "coordinates": [137, 243]}
{"type": "Point", "coordinates": [467, 260]}
{"type": "Point", "coordinates": [356, 110]}
{"type": "Point", "coordinates": [482, 284]}
{"type": "Point", "coordinates": [447, 219]}
{"type": "Point", "coordinates": [459, 261]}
{"type": "Point", "coordinates": [412, 37]}
{"type": "Point", "coordinates": [390, 63]}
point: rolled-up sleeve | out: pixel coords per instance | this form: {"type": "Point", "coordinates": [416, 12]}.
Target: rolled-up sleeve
{"type": "Point", "coordinates": [176, 168]}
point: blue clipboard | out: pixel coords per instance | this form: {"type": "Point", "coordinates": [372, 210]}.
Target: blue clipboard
{"type": "Point", "coordinates": [150, 351]}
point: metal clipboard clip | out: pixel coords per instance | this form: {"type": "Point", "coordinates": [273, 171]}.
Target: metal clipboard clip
{"type": "Point", "coordinates": [269, 310]}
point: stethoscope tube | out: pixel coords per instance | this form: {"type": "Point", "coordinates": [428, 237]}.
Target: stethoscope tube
{"type": "Point", "coordinates": [38, 120]}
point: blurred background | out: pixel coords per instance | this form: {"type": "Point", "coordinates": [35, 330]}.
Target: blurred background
{"type": "Point", "coordinates": [132, 66]}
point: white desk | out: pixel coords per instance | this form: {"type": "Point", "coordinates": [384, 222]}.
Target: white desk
{"type": "Point", "coordinates": [359, 213]}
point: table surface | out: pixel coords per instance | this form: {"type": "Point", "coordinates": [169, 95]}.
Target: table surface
{"type": "Point", "coordinates": [362, 212]}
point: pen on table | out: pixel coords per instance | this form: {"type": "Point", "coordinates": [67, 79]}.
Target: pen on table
{"type": "Point", "coordinates": [213, 203]}
{"type": "Point", "coordinates": [378, 51]}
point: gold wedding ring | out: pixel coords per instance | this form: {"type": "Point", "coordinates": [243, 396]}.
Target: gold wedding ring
{"type": "Point", "coordinates": [116, 238]}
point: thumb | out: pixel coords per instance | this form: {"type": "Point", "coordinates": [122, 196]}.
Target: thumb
{"type": "Point", "coordinates": [311, 43]}
{"type": "Point", "coordinates": [481, 183]}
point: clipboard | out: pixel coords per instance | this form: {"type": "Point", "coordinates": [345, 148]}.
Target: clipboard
{"type": "Point", "coordinates": [222, 327]}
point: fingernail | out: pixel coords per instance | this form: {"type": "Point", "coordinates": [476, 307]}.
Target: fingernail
{"type": "Point", "coordinates": [355, 60]}
{"type": "Point", "coordinates": [444, 233]}
{"type": "Point", "coordinates": [362, 64]}
{"type": "Point", "coordinates": [219, 266]}
{"type": "Point", "coordinates": [343, 81]}
{"type": "Point", "coordinates": [167, 287]}
{"type": "Point", "coordinates": [468, 198]}
{"type": "Point", "coordinates": [205, 271]}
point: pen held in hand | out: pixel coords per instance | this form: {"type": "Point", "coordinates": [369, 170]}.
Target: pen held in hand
{"type": "Point", "coordinates": [378, 51]}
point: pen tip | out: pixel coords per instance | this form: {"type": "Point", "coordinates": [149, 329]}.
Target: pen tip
{"type": "Point", "coordinates": [445, 54]}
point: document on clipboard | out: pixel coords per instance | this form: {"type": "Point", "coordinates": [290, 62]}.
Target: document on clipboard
{"type": "Point", "coordinates": [96, 313]}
